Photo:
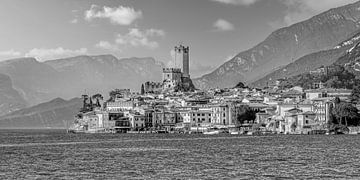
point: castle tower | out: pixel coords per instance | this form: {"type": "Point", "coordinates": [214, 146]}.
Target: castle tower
{"type": "Point", "coordinates": [182, 57]}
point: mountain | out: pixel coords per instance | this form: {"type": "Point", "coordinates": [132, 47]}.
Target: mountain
{"type": "Point", "coordinates": [343, 73]}
{"type": "Point", "coordinates": [283, 46]}
{"type": "Point", "coordinates": [310, 62]}
{"type": "Point", "coordinates": [53, 114]}
{"type": "Point", "coordinates": [70, 77]}
{"type": "Point", "coordinates": [10, 99]}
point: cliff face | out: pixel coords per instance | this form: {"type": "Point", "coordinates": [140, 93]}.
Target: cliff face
{"type": "Point", "coordinates": [321, 32]}
{"type": "Point", "coordinates": [10, 99]}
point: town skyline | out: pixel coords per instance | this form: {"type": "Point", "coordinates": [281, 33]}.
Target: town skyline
{"type": "Point", "coordinates": [50, 30]}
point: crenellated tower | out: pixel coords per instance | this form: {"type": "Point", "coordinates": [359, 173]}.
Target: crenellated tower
{"type": "Point", "coordinates": [182, 56]}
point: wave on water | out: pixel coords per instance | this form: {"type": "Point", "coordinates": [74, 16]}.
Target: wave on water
{"type": "Point", "coordinates": [119, 141]}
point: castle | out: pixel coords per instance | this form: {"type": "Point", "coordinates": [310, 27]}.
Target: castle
{"type": "Point", "coordinates": [175, 78]}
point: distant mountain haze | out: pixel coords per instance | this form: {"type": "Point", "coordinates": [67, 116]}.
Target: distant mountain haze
{"type": "Point", "coordinates": [57, 113]}
{"type": "Point", "coordinates": [10, 99]}
{"type": "Point", "coordinates": [39, 82]}
{"type": "Point", "coordinates": [284, 46]}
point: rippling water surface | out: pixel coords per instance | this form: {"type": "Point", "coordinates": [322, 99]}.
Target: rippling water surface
{"type": "Point", "coordinates": [52, 154]}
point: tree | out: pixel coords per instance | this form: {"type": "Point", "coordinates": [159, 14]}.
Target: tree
{"type": "Point", "coordinates": [142, 89]}
{"type": "Point", "coordinates": [245, 114]}
{"type": "Point", "coordinates": [344, 111]}
{"type": "Point", "coordinates": [98, 97]}
{"type": "Point", "coordinates": [113, 94]}
{"type": "Point", "coordinates": [85, 105]}
{"type": "Point", "coordinates": [240, 85]}
{"type": "Point", "coordinates": [355, 95]}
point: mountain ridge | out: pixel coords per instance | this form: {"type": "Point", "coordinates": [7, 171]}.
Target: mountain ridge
{"type": "Point", "coordinates": [284, 46]}
{"type": "Point", "coordinates": [310, 62]}
{"type": "Point", "coordinates": [70, 77]}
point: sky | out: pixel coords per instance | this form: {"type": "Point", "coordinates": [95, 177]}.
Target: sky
{"type": "Point", "coordinates": [215, 30]}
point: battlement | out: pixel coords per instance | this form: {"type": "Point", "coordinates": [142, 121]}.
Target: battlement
{"type": "Point", "coordinates": [171, 70]}
{"type": "Point", "coordinates": [181, 48]}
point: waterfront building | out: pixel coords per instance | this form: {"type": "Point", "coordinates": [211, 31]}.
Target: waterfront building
{"type": "Point", "coordinates": [137, 120]}
{"type": "Point", "coordinates": [221, 114]}
{"type": "Point", "coordinates": [322, 109]}
{"type": "Point", "coordinates": [198, 117]}
{"type": "Point", "coordinates": [164, 119]}
{"type": "Point", "coordinates": [118, 122]}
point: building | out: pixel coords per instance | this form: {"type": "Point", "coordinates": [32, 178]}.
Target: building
{"type": "Point", "coordinates": [171, 78]}
{"type": "Point", "coordinates": [182, 59]}
{"type": "Point", "coordinates": [322, 109]}
{"type": "Point", "coordinates": [198, 117]}
{"type": "Point", "coordinates": [137, 120]}
{"type": "Point", "coordinates": [153, 87]}
{"type": "Point", "coordinates": [177, 78]}
{"type": "Point", "coordinates": [119, 106]}
{"type": "Point", "coordinates": [164, 119]}
{"type": "Point", "coordinates": [221, 114]}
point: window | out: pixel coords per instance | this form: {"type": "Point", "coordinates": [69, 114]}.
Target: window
{"type": "Point", "coordinates": [307, 122]}
{"type": "Point", "coordinates": [203, 114]}
{"type": "Point", "coordinates": [224, 115]}
{"type": "Point", "coordinates": [193, 114]}
{"type": "Point", "coordinates": [198, 114]}
{"type": "Point", "coordinates": [193, 119]}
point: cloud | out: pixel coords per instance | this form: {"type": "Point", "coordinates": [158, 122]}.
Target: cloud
{"type": "Point", "coordinates": [108, 46]}
{"type": "Point", "coordinates": [134, 38]}
{"type": "Point", "coordinates": [298, 11]}
{"type": "Point", "coordinates": [9, 54]}
{"type": "Point", "coordinates": [47, 54]}
{"type": "Point", "coordinates": [223, 25]}
{"type": "Point", "coordinates": [237, 2]}
{"type": "Point", "coordinates": [121, 15]}
{"type": "Point", "coordinates": [74, 21]}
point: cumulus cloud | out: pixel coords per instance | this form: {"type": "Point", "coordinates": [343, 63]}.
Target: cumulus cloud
{"type": "Point", "coordinates": [9, 54]}
{"type": "Point", "coordinates": [134, 38]}
{"type": "Point", "coordinates": [236, 2]}
{"type": "Point", "coordinates": [108, 46]}
{"type": "Point", "coordinates": [298, 11]}
{"type": "Point", "coordinates": [47, 54]}
{"type": "Point", "coordinates": [223, 25]}
{"type": "Point", "coordinates": [118, 15]}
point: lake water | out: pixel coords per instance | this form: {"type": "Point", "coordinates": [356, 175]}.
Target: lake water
{"type": "Point", "coordinates": [53, 154]}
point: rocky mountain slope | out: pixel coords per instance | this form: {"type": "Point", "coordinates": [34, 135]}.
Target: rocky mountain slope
{"type": "Point", "coordinates": [10, 99]}
{"type": "Point", "coordinates": [343, 73]}
{"type": "Point", "coordinates": [66, 78]}
{"type": "Point", "coordinates": [57, 113]}
{"type": "Point", "coordinates": [310, 62]}
{"type": "Point", "coordinates": [321, 32]}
